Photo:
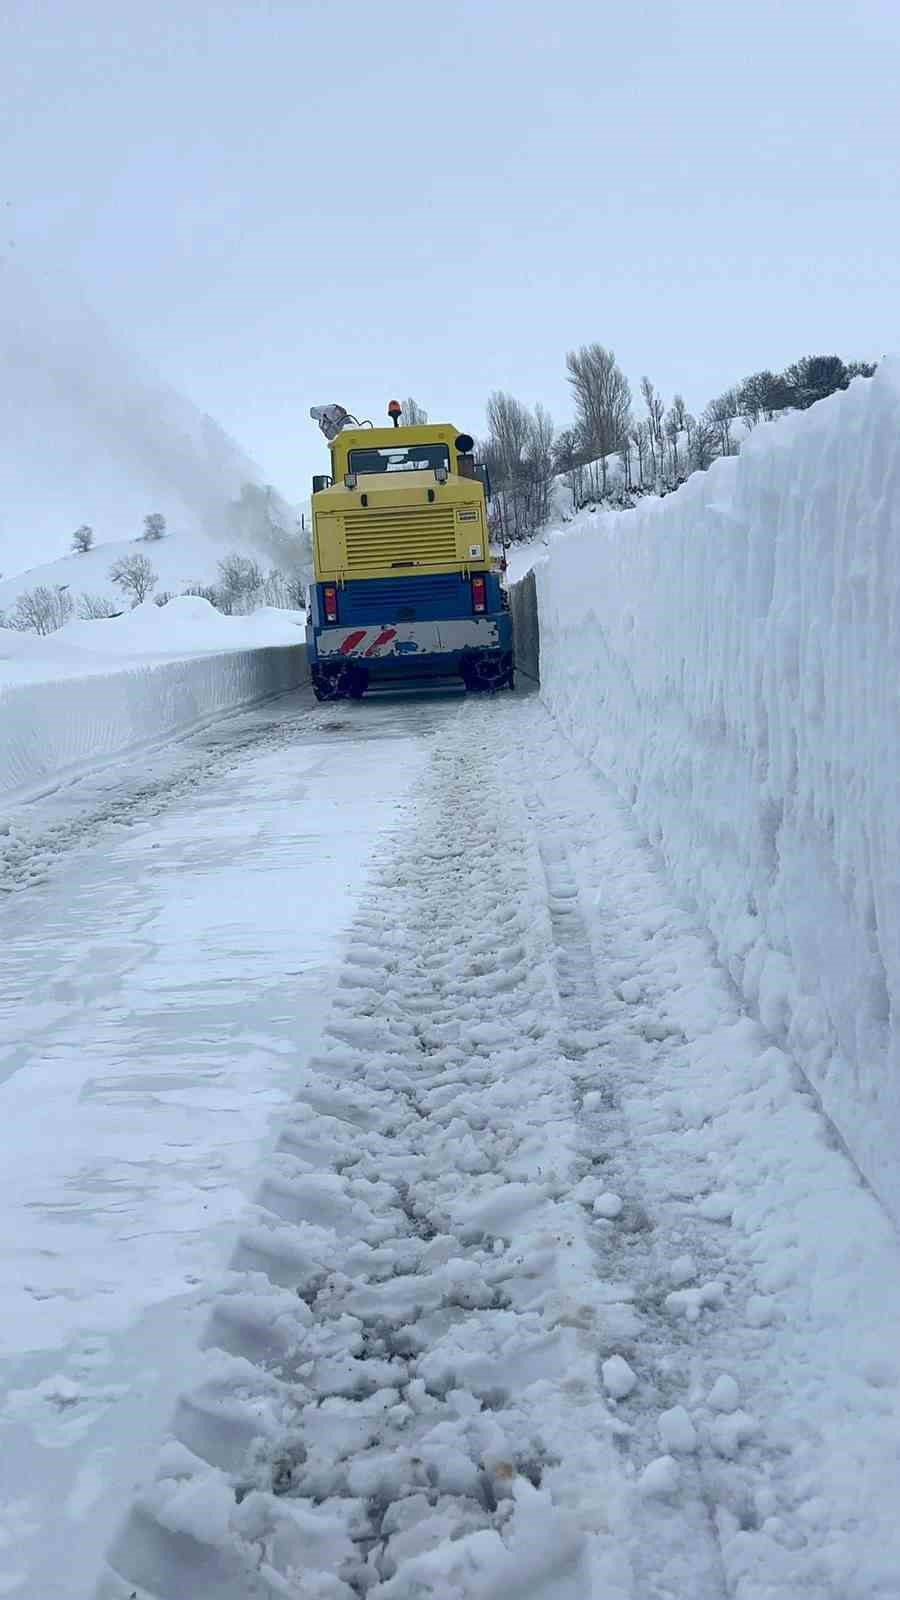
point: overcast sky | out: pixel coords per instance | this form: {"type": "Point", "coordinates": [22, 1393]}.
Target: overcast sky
{"type": "Point", "coordinates": [296, 202]}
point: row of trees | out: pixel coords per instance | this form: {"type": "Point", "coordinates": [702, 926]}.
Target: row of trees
{"type": "Point", "coordinates": [612, 453]}
{"type": "Point", "coordinates": [242, 586]}
{"type": "Point", "coordinates": [154, 528]}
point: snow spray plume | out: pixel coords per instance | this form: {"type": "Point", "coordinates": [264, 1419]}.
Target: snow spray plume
{"type": "Point", "coordinates": [88, 433]}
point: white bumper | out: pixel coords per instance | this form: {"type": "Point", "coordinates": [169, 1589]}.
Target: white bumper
{"type": "Point", "coordinates": [407, 639]}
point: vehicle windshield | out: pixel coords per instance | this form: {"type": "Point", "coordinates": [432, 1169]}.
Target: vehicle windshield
{"type": "Point", "coordinates": [400, 458]}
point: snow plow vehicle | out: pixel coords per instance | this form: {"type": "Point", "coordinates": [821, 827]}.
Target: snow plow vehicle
{"type": "Point", "coordinates": [405, 587]}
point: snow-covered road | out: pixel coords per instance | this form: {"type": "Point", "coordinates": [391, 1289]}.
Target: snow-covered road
{"type": "Point", "coordinates": [170, 933]}
{"type": "Point", "coordinates": [557, 1284]}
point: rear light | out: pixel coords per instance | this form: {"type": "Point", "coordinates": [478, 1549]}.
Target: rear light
{"type": "Point", "coordinates": [330, 599]}
{"type": "Point", "coordinates": [478, 594]}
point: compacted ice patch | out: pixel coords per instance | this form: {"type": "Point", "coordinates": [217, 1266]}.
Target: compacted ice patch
{"type": "Point", "coordinates": [557, 1285]}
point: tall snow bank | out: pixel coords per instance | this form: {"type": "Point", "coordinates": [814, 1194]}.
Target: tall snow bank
{"type": "Point", "coordinates": [730, 656]}
{"type": "Point", "coordinates": [97, 689]}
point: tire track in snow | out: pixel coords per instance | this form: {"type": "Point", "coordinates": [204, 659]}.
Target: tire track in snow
{"type": "Point", "coordinates": [399, 1382]}
{"type": "Point", "coordinates": [672, 1538]}
{"type": "Point", "coordinates": [765, 1279]}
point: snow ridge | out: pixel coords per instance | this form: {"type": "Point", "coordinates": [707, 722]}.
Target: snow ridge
{"type": "Point", "coordinates": [52, 730]}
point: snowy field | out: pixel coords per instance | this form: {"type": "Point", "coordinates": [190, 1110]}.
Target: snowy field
{"type": "Point", "coordinates": [557, 1284]}
{"type": "Point", "coordinates": [729, 656]}
{"type": "Point", "coordinates": [95, 689]}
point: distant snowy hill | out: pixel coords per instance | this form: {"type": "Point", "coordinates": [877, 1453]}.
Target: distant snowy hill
{"type": "Point", "coordinates": [181, 560]}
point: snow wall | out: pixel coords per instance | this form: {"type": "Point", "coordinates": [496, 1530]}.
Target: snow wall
{"type": "Point", "coordinates": [526, 631]}
{"type": "Point", "coordinates": [51, 730]}
{"type": "Point", "coordinates": [730, 657]}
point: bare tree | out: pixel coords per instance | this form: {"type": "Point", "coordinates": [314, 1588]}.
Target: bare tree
{"type": "Point", "coordinates": [412, 415]}
{"type": "Point", "coordinates": [539, 461]}
{"type": "Point", "coordinates": [704, 440]}
{"type": "Point", "coordinates": [719, 415]}
{"type": "Point", "coordinates": [602, 402]}
{"type": "Point", "coordinates": [82, 539]}
{"type": "Point", "coordinates": [510, 461]}
{"type": "Point", "coordinates": [655, 409]}
{"type": "Point", "coordinates": [154, 526]}
{"type": "Point", "coordinates": [92, 606]}
{"type": "Point", "coordinates": [679, 412]}
{"type": "Point", "coordinates": [760, 395]}
{"type": "Point", "coordinates": [134, 576]}
{"type": "Point", "coordinates": [813, 377]}
{"type": "Point", "coordinates": [640, 438]}
{"type": "Point", "coordinates": [240, 582]}
{"type": "Point", "coordinates": [568, 463]}
{"type": "Point", "coordinates": [42, 610]}
{"type": "Point", "coordinates": [672, 431]}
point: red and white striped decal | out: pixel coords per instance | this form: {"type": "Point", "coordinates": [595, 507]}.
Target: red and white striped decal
{"type": "Point", "coordinates": [385, 637]}
{"type": "Point", "coordinates": [352, 640]}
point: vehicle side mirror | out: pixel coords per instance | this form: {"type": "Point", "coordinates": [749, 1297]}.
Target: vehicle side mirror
{"type": "Point", "coordinates": [321, 480]}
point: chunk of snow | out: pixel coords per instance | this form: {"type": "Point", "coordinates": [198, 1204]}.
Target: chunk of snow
{"type": "Point", "coordinates": [660, 1478]}
{"type": "Point", "coordinates": [608, 1205]}
{"type": "Point", "coordinates": [618, 1377]}
{"type": "Point", "coordinates": [677, 1432]}
{"type": "Point", "coordinates": [683, 1269]}
{"type": "Point", "coordinates": [724, 1394]}
{"type": "Point", "coordinates": [761, 1310]}
{"type": "Point", "coordinates": [729, 1432]}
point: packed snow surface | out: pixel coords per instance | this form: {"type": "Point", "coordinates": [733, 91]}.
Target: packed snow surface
{"type": "Point", "coordinates": [171, 935]}
{"type": "Point", "coordinates": [436, 1370]}
{"type": "Point", "coordinates": [730, 657]}
{"type": "Point", "coordinates": [95, 689]}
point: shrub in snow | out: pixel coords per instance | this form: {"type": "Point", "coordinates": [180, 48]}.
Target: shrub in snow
{"type": "Point", "coordinates": [82, 539]}
{"type": "Point", "coordinates": [42, 610]}
{"type": "Point", "coordinates": [93, 606]}
{"type": "Point", "coordinates": [134, 576]}
{"type": "Point", "coordinates": [154, 526]}
{"type": "Point", "coordinates": [240, 581]}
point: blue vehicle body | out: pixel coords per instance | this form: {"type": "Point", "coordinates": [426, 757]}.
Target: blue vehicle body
{"type": "Point", "coordinates": [395, 629]}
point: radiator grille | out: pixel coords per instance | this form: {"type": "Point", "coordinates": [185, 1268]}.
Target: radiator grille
{"type": "Point", "coordinates": [416, 535]}
{"type": "Point", "coordinates": [442, 594]}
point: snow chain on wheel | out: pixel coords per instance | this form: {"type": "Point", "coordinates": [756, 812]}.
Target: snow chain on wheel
{"type": "Point", "coordinates": [341, 683]}
{"type": "Point", "coordinates": [488, 672]}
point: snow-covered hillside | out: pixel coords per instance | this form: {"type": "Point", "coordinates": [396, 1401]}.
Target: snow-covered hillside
{"type": "Point", "coordinates": [729, 657]}
{"type": "Point", "coordinates": [183, 559]}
